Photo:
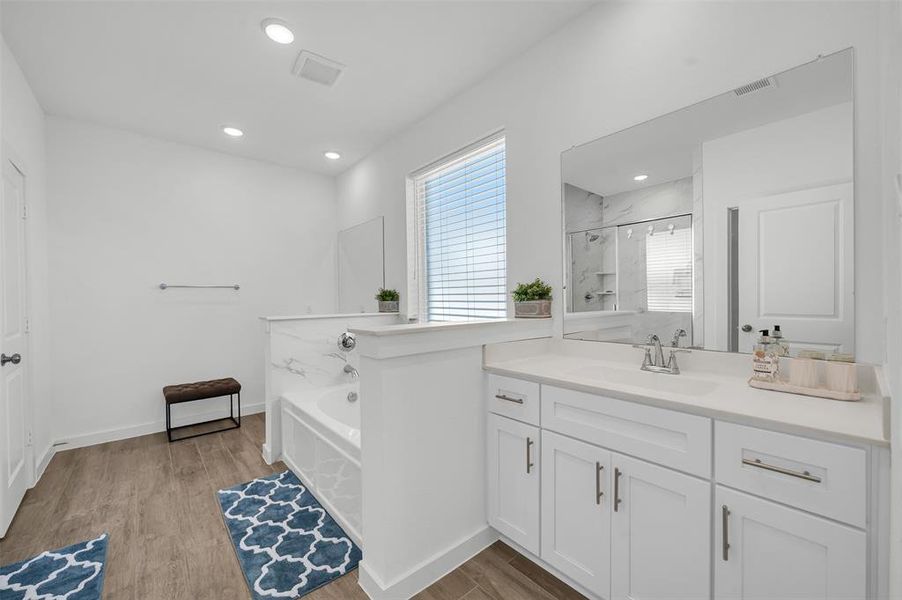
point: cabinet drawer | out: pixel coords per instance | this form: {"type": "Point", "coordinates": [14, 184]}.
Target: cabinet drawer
{"type": "Point", "coordinates": [820, 477]}
{"type": "Point", "coordinates": [514, 398]}
{"type": "Point", "coordinates": [661, 436]}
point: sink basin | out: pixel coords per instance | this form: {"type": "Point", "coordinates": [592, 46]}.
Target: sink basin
{"type": "Point", "coordinates": [653, 382]}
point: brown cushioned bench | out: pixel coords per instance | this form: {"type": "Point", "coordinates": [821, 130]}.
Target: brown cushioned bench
{"type": "Point", "coordinates": [201, 390]}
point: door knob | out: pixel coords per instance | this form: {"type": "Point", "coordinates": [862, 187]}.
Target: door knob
{"type": "Point", "coordinates": [747, 328]}
{"type": "Point", "coordinates": [14, 359]}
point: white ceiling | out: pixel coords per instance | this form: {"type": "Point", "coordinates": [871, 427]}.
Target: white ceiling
{"type": "Point", "coordinates": [663, 148]}
{"type": "Point", "coordinates": [179, 70]}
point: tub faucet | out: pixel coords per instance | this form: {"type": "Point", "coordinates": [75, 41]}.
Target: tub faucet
{"type": "Point", "coordinates": [350, 370]}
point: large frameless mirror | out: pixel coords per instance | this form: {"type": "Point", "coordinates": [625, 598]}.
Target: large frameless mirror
{"type": "Point", "coordinates": [361, 266]}
{"type": "Point", "coordinates": [724, 218]}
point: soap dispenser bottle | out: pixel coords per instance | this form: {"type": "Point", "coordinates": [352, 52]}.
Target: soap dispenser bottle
{"type": "Point", "coordinates": [782, 346]}
{"type": "Point", "coordinates": [765, 361]}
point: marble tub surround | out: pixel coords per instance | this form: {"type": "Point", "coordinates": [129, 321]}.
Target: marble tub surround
{"type": "Point", "coordinates": [301, 353]}
{"type": "Point", "coordinates": [712, 384]}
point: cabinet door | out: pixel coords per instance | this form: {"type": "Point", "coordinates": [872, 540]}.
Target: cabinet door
{"type": "Point", "coordinates": [765, 550]}
{"type": "Point", "coordinates": [661, 533]}
{"type": "Point", "coordinates": [576, 510]}
{"type": "Point", "coordinates": [513, 472]}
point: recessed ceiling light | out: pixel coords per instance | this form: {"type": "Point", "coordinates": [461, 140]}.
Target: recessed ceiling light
{"type": "Point", "coordinates": [332, 155]}
{"type": "Point", "coordinates": [277, 31]}
{"type": "Point", "coordinates": [232, 132]}
{"type": "Point", "coordinates": [640, 177]}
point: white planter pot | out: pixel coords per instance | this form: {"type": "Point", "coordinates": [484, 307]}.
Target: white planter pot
{"type": "Point", "coordinates": [388, 306]}
{"type": "Point", "coordinates": [533, 309]}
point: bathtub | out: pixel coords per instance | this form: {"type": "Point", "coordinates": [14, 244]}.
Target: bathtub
{"type": "Point", "coordinates": [321, 444]}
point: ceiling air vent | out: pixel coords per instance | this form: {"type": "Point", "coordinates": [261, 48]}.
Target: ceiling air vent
{"type": "Point", "coordinates": [316, 68]}
{"type": "Point", "coordinates": [755, 86]}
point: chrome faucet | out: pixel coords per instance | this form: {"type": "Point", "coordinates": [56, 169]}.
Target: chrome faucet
{"type": "Point", "coordinates": [350, 370]}
{"type": "Point", "coordinates": [655, 342]}
{"type": "Point", "coordinates": [656, 364]}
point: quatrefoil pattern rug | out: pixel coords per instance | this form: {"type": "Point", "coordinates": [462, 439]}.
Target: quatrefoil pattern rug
{"type": "Point", "coordinates": [287, 544]}
{"type": "Point", "coordinates": [71, 573]}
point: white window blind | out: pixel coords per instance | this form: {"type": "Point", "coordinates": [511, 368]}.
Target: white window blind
{"type": "Point", "coordinates": [461, 227]}
{"type": "Point", "coordinates": [669, 270]}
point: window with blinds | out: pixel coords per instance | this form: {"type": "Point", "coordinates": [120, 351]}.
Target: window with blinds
{"type": "Point", "coordinates": [461, 232]}
{"type": "Point", "coordinates": [668, 269]}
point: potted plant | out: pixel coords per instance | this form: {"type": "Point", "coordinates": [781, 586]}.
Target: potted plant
{"type": "Point", "coordinates": [388, 300]}
{"type": "Point", "coordinates": [532, 300]}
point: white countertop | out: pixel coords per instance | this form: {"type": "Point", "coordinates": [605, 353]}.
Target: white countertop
{"type": "Point", "coordinates": [718, 393]}
{"type": "Point", "coordinates": [313, 317]}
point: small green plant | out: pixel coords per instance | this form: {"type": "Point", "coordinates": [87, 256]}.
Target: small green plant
{"type": "Point", "coordinates": [384, 295]}
{"type": "Point", "coordinates": [537, 290]}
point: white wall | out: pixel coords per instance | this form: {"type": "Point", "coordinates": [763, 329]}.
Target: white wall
{"type": "Point", "coordinates": [128, 212]}
{"type": "Point", "coordinates": [22, 134]}
{"type": "Point", "coordinates": [891, 175]}
{"type": "Point", "coordinates": [618, 65]}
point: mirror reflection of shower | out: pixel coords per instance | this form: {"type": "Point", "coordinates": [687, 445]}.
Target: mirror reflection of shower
{"type": "Point", "coordinates": [644, 268]}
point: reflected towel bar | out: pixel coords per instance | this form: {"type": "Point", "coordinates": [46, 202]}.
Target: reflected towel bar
{"type": "Point", "coordinates": [234, 286]}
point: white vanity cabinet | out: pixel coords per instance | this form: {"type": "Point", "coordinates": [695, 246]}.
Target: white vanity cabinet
{"type": "Point", "coordinates": [766, 550]}
{"type": "Point", "coordinates": [620, 498]}
{"type": "Point", "coordinates": [661, 526]}
{"type": "Point", "coordinates": [513, 480]}
{"type": "Point", "coordinates": [576, 510]}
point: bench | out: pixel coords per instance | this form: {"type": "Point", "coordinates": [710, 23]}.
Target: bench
{"type": "Point", "coordinates": [201, 390]}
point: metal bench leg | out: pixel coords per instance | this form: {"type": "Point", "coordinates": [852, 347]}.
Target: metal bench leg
{"type": "Point", "coordinates": [168, 422]}
{"type": "Point", "coordinates": [236, 419]}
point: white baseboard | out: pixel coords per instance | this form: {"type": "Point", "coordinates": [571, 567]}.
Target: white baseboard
{"type": "Point", "coordinates": [266, 451]}
{"type": "Point", "coordinates": [112, 435]}
{"type": "Point", "coordinates": [428, 571]}
{"type": "Point", "coordinates": [43, 461]}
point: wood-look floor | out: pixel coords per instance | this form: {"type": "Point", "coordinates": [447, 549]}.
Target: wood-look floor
{"type": "Point", "coordinates": [167, 538]}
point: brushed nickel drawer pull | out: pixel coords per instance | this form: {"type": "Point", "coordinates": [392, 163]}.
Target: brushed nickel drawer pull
{"type": "Point", "coordinates": [725, 515]}
{"type": "Point", "coordinates": [529, 463]}
{"type": "Point", "coordinates": [598, 492]}
{"type": "Point", "coordinates": [617, 501]}
{"type": "Point", "coordinates": [807, 476]}
{"type": "Point", "coordinates": [509, 399]}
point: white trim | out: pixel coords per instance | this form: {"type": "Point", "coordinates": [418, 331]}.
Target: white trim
{"type": "Point", "coordinates": [122, 433]}
{"type": "Point", "coordinates": [266, 453]}
{"type": "Point", "coordinates": [41, 465]}
{"type": "Point", "coordinates": [427, 572]}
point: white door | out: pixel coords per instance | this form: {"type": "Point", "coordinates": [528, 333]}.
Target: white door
{"type": "Point", "coordinates": [513, 471]}
{"type": "Point", "coordinates": [660, 546]}
{"type": "Point", "coordinates": [795, 268]}
{"type": "Point", "coordinates": [766, 551]}
{"type": "Point", "coordinates": [576, 511]}
{"type": "Point", "coordinates": [15, 455]}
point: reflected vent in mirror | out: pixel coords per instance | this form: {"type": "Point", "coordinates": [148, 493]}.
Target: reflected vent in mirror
{"type": "Point", "coordinates": [318, 69]}
{"type": "Point", "coordinates": [756, 86]}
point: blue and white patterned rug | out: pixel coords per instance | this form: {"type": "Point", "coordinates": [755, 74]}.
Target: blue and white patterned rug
{"type": "Point", "coordinates": [287, 544]}
{"type": "Point", "coordinates": [71, 573]}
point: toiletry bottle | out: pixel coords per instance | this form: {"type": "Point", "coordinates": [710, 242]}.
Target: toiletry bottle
{"type": "Point", "coordinates": [782, 346]}
{"type": "Point", "coordinates": [765, 361]}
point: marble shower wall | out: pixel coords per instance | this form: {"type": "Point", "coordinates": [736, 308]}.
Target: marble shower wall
{"type": "Point", "coordinates": [591, 261]}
